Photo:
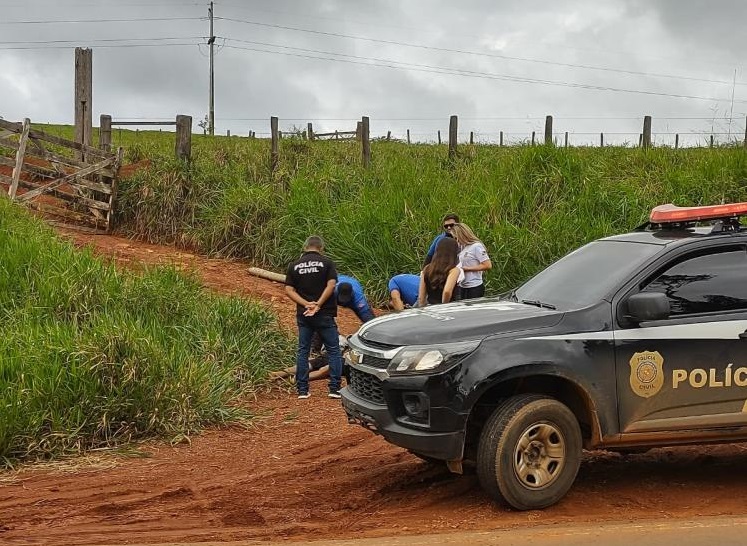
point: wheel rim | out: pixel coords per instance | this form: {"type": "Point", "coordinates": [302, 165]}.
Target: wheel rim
{"type": "Point", "coordinates": [539, 456]}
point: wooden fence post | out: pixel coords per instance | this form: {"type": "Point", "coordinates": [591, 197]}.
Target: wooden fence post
{"type": "Point", "coordinates": [105, 133]}
{"type": "Point", "coordinates": [408, 136]}
{"type": "Point", "coordinates": [566, 139]}
{"type": "Point", "coordinates": [83, 97]}
{"type": "Point", "coordinates": [358, 130]}
{"type": "Point", "coordinates": [745, 132]}
{"type": "Point", "coordinates": [601, 140]}
{"type": "Point", "coordinates": [471, 137]}
{"type": "Point", "coordinates": [310, 131]}
{"type": "Point", "coordinates": [20, 152]}
{"type": "Point", "coordinates": [711, 146]}
{"type": "Point", "coordinates": [184, 137]}
{"type": "Point", "coordinates": [280, 135]}
{"type": "Point", "coordinates": [228, 132]}
{"type": "Point", "coordinates": [439, 136]}
{"type": "Point", "coordinates": [453, 124]}
{"type": "Point", "coordinates": [500, 139]}
{"type": "Point", "coordinates": [533, 138]}
{"type": "Point", "coordinates": [366, 141]}
{"type": "Point", "coordinates": [548, 130]}
{"type": "Point", "coordinates": [274, 155]}
{"type": "Point", "coordinates": [389, 135]}
{"type": "Point", "coordinates": [640, 139]}
{"type": "Point", "coordinates": [647, 132]}
{"type": "Point", "coordinates": [676, 141]}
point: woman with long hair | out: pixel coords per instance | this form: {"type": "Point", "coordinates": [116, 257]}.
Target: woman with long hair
{"type": "Point", "coordinates": [473, 259]}
{"type": "Point", "coordinates": [438, 281]}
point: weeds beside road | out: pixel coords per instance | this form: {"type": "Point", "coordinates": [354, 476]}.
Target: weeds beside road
{"type": "Point", "coordinates": [530, 205]}
{"type": "Point", "coordinates": [92, 356]}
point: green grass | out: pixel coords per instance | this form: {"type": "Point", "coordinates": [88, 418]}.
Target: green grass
{"type": "Point", "coordinates": [530, 205]}
{"type": "Point", "coordinates": [94, 357]}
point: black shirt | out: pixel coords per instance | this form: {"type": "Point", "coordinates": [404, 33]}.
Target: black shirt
{"type": "Point", "coordinates": [309, 275]}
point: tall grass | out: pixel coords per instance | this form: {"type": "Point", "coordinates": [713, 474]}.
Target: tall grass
{"type": "Point", "coordinates": [93, 357]}
{"type": "Point", "coordinates": [530, 205]}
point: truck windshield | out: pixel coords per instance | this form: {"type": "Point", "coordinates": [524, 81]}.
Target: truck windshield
{"type": "Point", "coordinates": [586, 275]}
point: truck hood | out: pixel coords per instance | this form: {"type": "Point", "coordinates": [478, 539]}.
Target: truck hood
{"type": "Point", "coordinates": [459, 321]}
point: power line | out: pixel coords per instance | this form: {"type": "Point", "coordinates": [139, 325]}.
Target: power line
{"type": "Point", "coordinates": [479, 53]}
{"type": "Point", "coordinates": [107, 6]}
{"type": "Point", "coordinates": [60, 21]}
{"type": "Point", "coordinates": [710, 62]}
{"type": "Point", "coordinates": [157, 39]}
{"type": "Point", "coordinates": [306, 15]}
{"type": "Point", "coordinates": [37, 47]}
{"type": "Point", "coordinates": [399, 65]}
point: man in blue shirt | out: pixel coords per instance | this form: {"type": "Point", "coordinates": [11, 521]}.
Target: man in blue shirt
{"type": "Point", "coordinates": [403, 289]}
{"type": "Point", "coordinates": [349, 293]}
{"type": "Point", "coordinates": [448, 223]}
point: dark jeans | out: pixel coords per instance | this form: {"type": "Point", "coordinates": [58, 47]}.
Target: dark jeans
{"type": "Point", "coordinates": [474, 292]}
{"type": "Point", "coordinates": [326, 327]}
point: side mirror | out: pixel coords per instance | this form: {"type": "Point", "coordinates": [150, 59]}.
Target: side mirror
{"type": "Point", "coordinates": [647, 306]}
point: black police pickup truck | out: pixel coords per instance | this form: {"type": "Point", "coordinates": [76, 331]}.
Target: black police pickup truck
{"type": "Point", "coordinates": [631, 341]}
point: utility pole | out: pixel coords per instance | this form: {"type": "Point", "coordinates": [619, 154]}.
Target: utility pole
{"type": "Point", "coordinates": [211, 43]}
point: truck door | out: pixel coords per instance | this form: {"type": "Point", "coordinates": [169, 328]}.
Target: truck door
{"type": "Point", "coordinates": [690, 370]}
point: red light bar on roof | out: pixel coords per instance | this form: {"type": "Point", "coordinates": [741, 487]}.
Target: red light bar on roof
{"type": "Point", "coordinates": [667, 214]}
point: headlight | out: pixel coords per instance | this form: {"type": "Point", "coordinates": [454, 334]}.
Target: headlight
{"type": "Point", "coordinates": [428, 359]}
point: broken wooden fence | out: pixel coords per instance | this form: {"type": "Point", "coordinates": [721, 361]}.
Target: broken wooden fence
{"type": "Point", "coordinates": [59, 177]}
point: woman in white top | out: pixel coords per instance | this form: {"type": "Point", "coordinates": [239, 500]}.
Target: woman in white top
{"type": "Point", "coordinates": [473, 259]}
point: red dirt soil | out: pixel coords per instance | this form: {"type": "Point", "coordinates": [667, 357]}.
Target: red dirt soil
{"type": "Point", "coordinates": [300, 472]}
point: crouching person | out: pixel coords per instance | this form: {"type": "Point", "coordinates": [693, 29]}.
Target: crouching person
{"type": "Point", "coordinates": [310, 282]}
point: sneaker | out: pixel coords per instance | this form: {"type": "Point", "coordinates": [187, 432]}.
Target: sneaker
{"type": "Point", "coordinates": [334, 394]}
{"type": "Point", "coordinates": [304, 395]}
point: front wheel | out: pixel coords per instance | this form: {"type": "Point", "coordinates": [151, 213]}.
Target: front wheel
{"type": "Point", "coordinates": [529, 452]}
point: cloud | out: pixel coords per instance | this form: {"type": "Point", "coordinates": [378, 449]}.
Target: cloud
{"type": "Point", "coordinates": [332, 80]}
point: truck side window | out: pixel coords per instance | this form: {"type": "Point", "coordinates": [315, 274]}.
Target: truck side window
{"type": "Point", "coordinates": [705, 283]}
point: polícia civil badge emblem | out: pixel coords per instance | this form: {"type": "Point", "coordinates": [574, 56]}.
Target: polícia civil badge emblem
{"type": "Point", "coordinates": [646, 373]}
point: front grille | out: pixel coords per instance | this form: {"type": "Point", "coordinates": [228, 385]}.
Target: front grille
{"type": "Point", "coordinates": [375, 362]}
{"type": "Point", "coordinates": [366, 386]}
{"type": "Point", "coordinates": [378, 345]}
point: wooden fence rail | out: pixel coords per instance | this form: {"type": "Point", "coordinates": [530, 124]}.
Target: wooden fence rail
{"type": "Point", "coordinates": [54, 180]}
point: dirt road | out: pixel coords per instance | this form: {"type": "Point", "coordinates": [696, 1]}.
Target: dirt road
{"type": "Point", "coordinates": [302, 473]}
{"type": "Point", "coordinates": [697, 532]}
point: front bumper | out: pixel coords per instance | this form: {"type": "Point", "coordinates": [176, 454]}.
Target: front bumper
{"type": "Point", "coordinates": [447, 446]}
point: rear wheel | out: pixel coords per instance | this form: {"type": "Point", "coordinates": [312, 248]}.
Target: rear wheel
{"type": "Point", "coordinates": [529, 452]}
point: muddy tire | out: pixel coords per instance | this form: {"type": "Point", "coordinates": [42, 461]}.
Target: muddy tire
{"type": "Point", "coordinates": [529, 452]}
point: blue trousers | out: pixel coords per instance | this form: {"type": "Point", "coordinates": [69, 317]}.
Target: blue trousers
{"type": "Point", "coordinates": [326, 327]}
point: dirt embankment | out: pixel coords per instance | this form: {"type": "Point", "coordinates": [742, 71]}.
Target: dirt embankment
{"type": "Point", "coordinates": [301, 472]}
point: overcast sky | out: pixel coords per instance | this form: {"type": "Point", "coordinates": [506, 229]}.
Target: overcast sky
{"type": "Point", "coordinates": [596, 65]}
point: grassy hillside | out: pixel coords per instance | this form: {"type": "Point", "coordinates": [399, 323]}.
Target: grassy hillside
{"type": "Point", "coordinates": [95, 357]}
{"type": "Point", "coordinates": [530, 205]}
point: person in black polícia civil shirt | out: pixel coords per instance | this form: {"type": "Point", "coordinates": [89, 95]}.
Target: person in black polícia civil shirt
{"type": "Point", "coordinates": [310, 283]}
